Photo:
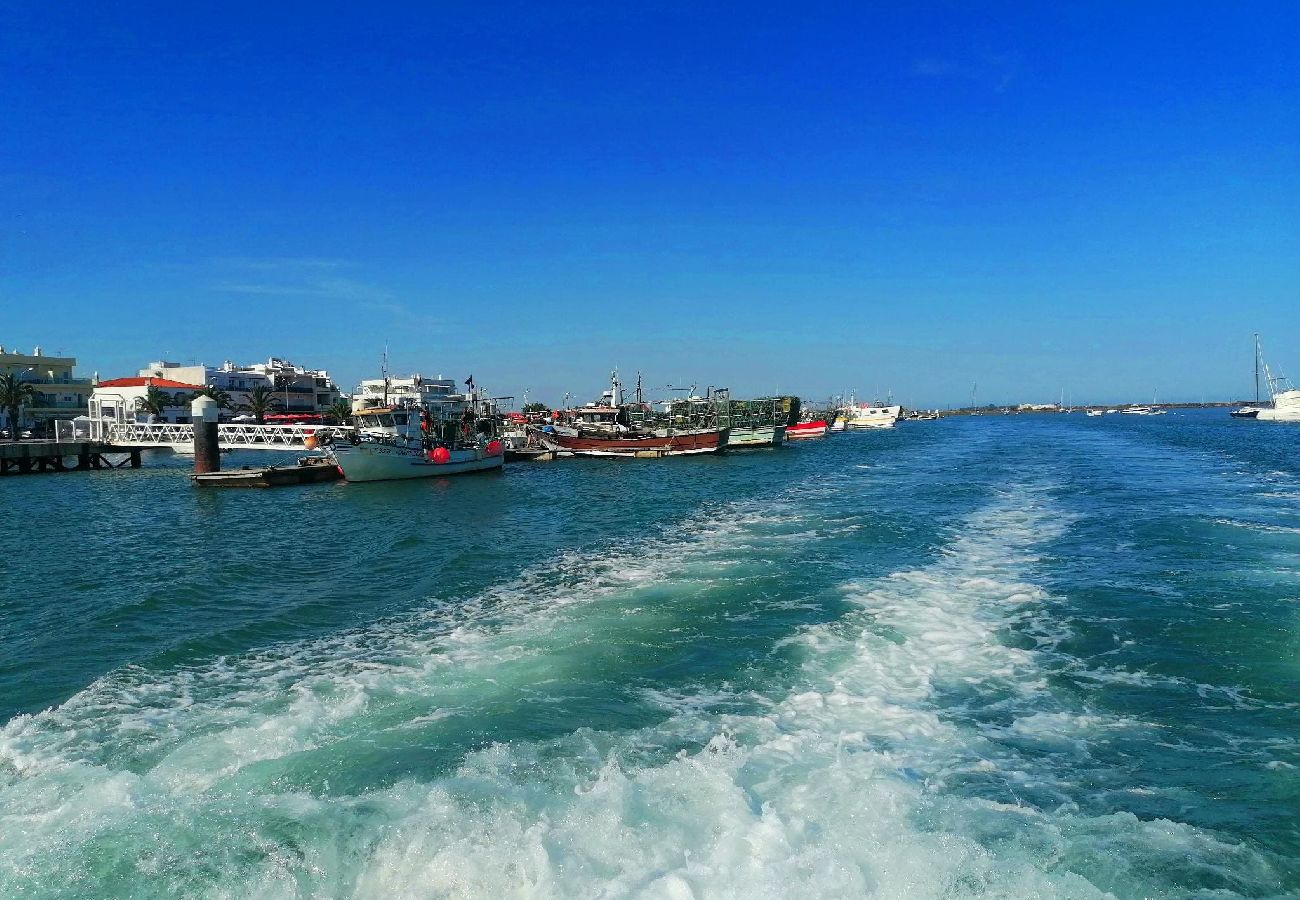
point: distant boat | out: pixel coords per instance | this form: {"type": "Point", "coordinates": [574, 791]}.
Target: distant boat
{"type": "Point", "coordinates": [1096, 412]}
{"type": "Point", "coordinates": [1145, 410]}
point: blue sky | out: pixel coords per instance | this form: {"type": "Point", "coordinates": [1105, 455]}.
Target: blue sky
{"type": "Point", "coordinates": [1100, 198]}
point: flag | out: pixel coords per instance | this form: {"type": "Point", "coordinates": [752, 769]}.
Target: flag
{"type": "Point", "coordinates": [469, 382]}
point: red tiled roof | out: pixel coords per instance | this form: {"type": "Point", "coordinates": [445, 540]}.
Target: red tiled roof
{"type": "Point", "coordinates": [149, 382]}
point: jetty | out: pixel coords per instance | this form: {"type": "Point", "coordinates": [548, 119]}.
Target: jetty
{"type": "Point", "coordinates": [28, 457]}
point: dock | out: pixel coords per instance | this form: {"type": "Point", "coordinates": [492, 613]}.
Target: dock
{"type": "Point", "coordinates": [29, 457]}
{"type": "Point", "coordinates": [309, 470]}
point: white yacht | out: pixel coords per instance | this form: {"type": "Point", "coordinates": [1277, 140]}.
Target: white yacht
{"type": "Point", "coordinates": [1285, 396]}
{"type": "Point", "coordinates": [1286, 399]}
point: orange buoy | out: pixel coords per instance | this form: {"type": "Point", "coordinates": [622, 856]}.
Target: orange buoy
{"type": "Point", "coordinates": [309, 442]}
{"type": "Point", "coordinates": [440, 455]}
{"type": "Point", "coordinates": [493, 448]}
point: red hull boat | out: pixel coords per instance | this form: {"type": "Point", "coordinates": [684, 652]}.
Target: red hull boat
{"type": "Point", "coordinates": [805, 430]}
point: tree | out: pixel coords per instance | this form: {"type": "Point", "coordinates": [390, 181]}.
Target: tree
{"type": "Point", "coordinates": [536, 408]}
{"type": "Point", "coordinates": [221, 397]}
{"type": "Point", "coordinates": [154, 401]}
{"type": "Point", "coordinates": [340, 411]}
{"type": "Point", "coordinates": [14, 395]}
{"type": "Point", "coordinates": [261, 400]}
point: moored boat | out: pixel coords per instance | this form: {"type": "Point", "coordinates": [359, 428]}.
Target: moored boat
{"type": "Point", "coordinates": [860, 416]}
{"type": "Point", "coordinates": [632, 430]}
{"type": "Point", "coordinates": [803, 430]}
{"type": "Point", "coordinates": [450, 437]}
{"type": "Point", "coordinates": [750, 424]}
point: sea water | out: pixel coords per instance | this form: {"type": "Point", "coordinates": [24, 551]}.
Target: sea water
{"type": "Point", "coordinates": [1029, 656]}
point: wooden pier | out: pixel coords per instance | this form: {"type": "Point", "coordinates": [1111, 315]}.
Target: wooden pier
{"type": "Point", "coordinates": [27, 457]}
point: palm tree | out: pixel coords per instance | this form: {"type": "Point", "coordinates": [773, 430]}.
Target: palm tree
{"type": "Point", "coordinates": [217, 394]}
{"type": "Point", "coordinates": [340, 411]}
{"type": "Point", "coordinates": [154, 401]}
{"type": "Point", "coordinates": [261, 400]}
{"type": "Point", "coordinates": [14, 395]}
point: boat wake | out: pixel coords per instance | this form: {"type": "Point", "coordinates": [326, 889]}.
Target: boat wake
{"type": "Point", "coordinates": [915, 749]}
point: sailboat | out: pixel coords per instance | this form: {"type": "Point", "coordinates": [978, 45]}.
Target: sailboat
{"type": "Point", "coordinates": [1251, 412]}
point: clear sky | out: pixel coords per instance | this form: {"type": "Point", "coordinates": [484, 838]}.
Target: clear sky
{"type": "Point", "coordinates": [1100, 198]}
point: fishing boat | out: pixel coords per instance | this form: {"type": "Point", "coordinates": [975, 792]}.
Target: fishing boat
{"type": "Point", "coordinates": [615, 429]}
{"type": "Point", "coordinates": [858, 417]}
{"type": "Point", "coordinates": [428, 440]}
{"type": "Point", "coordinates": [813, 428]}
{"type": "Point", "coordinates": [1095, 412]}
{"type": "Point", "coordinates": [750, 424]}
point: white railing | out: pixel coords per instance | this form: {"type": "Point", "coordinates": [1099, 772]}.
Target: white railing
{"type": "Point", "coordinates": [229, 436]}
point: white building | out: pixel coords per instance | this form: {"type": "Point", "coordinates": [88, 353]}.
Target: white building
{"type": "Point", "coordinates": [406, 390]}
{"type": "Point", "coordinates": [119, 399]}
{"type": "Point", "coordinates": [299, 389]}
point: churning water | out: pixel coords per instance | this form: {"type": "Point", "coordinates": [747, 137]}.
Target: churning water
{"type": "Point", "coordinates": [1029, 656]}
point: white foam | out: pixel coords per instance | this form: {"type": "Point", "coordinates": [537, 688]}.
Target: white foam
{"type": "Point", "coordinates": [842, 786]}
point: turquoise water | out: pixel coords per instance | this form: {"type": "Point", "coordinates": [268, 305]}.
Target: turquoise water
{"type": "Point", "coordinates": [1020, 656]}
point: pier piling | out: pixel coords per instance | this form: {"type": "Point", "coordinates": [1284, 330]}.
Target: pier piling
{"type": "Point", "coordinates": [207, 453]}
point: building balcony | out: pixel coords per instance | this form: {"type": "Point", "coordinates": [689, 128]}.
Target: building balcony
{"type": "Point", "coordinates": [68, 382]}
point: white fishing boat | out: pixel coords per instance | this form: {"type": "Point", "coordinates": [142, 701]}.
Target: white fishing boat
{"type": "Point", "coordinates": [449, 437]}
{"type": "Point", "coordinates": [373, 460]}
{"type": "Point", "coordinates": [1096, 412]}
{"type": "Point", "coordinates": [861, 416]}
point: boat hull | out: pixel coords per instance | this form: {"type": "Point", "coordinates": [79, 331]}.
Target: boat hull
{"type": "Point", "coordinates": [754, 438]}
{"type": "Point", "coordinates": [649, 447]}
{"type": "Point", "coordinates": [804, 430]}
{"type": "Point", "coordinates": [1278, 415]}
{"type": "Point", "coordinates": [385, 462]}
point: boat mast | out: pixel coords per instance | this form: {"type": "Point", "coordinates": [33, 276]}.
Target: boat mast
{"type": "Point", "coordinates": [384, 369]}
{"type": "Point", "coordinates": [1257, 368]}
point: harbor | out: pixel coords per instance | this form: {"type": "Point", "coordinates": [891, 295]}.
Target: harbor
{"type": "Point", "coordinates": [596, 451]}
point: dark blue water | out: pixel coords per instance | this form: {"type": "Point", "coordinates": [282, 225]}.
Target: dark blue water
{"type": "Point", "coordinates": [1005, 656]}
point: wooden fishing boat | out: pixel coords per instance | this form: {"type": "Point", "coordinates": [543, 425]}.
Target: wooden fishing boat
{"type": "Point", "coordinates": [642, 446]}
{"type": "Point", "coordinates": [613, 428]}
